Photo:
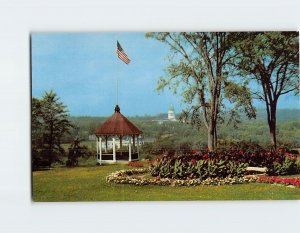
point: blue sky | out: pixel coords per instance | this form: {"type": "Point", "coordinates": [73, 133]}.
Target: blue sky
{"type": "Point", "coordinates": [82, 68]}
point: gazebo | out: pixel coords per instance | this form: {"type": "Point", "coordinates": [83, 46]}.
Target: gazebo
{"type": "Point", "coordinates": [124, 136]}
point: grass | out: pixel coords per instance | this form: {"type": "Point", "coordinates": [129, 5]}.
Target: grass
{"type": "Point", "coordinates": [88, 184]}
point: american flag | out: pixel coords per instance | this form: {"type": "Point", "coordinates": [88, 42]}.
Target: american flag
{"type": "Point", "coordinates": [121, 54]}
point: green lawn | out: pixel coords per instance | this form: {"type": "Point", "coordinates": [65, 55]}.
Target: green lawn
{"type": "Point", "coordinates": [88, 184]}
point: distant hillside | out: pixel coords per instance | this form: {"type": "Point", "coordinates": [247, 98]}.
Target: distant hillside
{"type": "Point", "coordinates": [282, 114]}
{"type": "Point", "coordinates": [288, 126]}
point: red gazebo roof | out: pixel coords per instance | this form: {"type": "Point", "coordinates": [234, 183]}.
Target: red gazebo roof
{"type": "Point", "coordinates": [117, 124]}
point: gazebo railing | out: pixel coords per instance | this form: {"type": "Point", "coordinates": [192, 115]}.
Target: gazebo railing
{"type": "Point", "coordinates": [120, 155]}
{"type": "Point", "coordinates": [117, 154]}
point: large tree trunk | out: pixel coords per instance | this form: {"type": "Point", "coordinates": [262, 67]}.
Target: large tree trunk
{"type": "Point", "coordinates": [212, 136]}
{"type": "Point", "coordinates": [212, 129]}
{"type": "Point", "coordinates": [273, 135]}
{"type": "Point", "coordinates": [215, 138]}
{"type": "Point", "coordinates": [211, 139]}
{"type": "Point", "coordinates": [272, 125]}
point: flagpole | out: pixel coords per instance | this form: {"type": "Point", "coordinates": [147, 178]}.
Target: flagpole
{"type": "Point", "coordinates": [117, 78]}
{"type": "Point", "coordinates": [117, 84]}
{"type": "Point", "coordinates": [122, 56]}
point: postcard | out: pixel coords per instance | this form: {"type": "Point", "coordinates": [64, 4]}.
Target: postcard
{"type": "Point", "coordinates": [165, 116]}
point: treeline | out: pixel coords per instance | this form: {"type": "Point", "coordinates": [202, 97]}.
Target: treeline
{"type": "Point", "coordinates": [178, 134]}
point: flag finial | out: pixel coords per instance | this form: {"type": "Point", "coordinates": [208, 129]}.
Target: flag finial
{"type": "Point", "coordinates": [117, 108]}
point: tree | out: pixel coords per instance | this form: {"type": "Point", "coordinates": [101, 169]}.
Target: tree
{"type": "Point", "coordinates": [36, 129]}
{"type": "Point", "coordinates": [272, 60]}
{"type": "Point", "coordinates": [200, 65]}
{"type": "Point", "coordinates": [49, 123]}
{"type": "Point", "coordinates": [75, 152]}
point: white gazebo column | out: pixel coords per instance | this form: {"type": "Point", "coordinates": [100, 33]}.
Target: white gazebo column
{"type": "Point", "coordinates": [100, 150]}
{"type": "Point", "coordinates": [97, 148]}
{"type": "Point", "coordinates": [114, 149]}
{"type": "Point", "coordinates": [129, 148]}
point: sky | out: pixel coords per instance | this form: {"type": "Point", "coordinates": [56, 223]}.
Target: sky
{"type": "Point", "coordinates": [83, 69]}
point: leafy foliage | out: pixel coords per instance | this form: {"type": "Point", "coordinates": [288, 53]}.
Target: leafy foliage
{"type": "Point", "coordinates": [287, 166]}
{"type": "Point", "coordinates": [183, 167]}
{"type": "Point", "coordinates": [223, 163]}
{"type": "Point", "coordinates": [200, 66]}
{"type": "Point", "coordinates": [49, 123]}
{"type": "Point", "coordinates": [272, 60]}
{"type": "Point", "coordinates": [76, 151]}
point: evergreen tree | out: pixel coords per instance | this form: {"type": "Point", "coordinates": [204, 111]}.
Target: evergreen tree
{"type": "Point", "coordinates": [49, 123]}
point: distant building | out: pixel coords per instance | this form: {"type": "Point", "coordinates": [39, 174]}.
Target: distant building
{"type": "Point", "coordinates": [171, 114]}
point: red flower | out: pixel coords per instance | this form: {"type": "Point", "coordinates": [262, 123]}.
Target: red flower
{"type": "Point", "coordinates": [205, 156]}
{"type": "Point", "coordinates": [290, 156]}
{"type": "Point", "coordinates": [288, 181]}
{"type": "Point", "coordinates": [280, 150]}
{"type": "Point", "coordinates": [194, 161]}
{"type": "Point", "coordinates": [135, 164]}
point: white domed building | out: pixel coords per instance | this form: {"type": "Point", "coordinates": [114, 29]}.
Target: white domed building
{"type": "Point", "coordinates": [171, 114]}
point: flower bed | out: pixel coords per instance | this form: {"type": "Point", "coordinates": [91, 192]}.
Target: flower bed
{"type": "Point", "coordinates": [181, 167]}
{"type": "Point", "coordinates": [135, 164]}
{"type": "Point", "coordinates": [295, 181]}
{"type": "Point", "coordinates": [279, 162]}
{"type": "Point", "coordinates": [130, 177]}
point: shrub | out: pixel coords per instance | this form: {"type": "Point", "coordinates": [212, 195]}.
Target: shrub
{"type": "Point", "coordinates": [280, 162]}
{"type": "Point", "coordinates": [297, 163]}
{"type": "Point", "coordinates": [76, 151]}
{"type": "Point", "coordinates": [286, 167]}
{"type": "Point", "coordinates": [183, 167]}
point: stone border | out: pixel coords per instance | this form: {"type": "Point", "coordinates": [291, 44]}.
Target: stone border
{"type": "Point", "coordinates": [127, 177]}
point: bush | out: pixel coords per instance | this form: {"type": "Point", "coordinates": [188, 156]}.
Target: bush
{"type": "Point", "coordinates": [239, 145]}
{"type": "Point", "coordinates": [183, 168]}
{"type": "Point", "coordinates": [40, 158]}
{"type": "Point", "coordinates": [148, 151]}
{"type": "Point", "coordinates": [178, 163]}
{"type": "Point", "coordinates": [287, 167]}
{"type": "Point", "coordinates": [297, 163]}
{"type": "Point", "coordinates": [75, 152]}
